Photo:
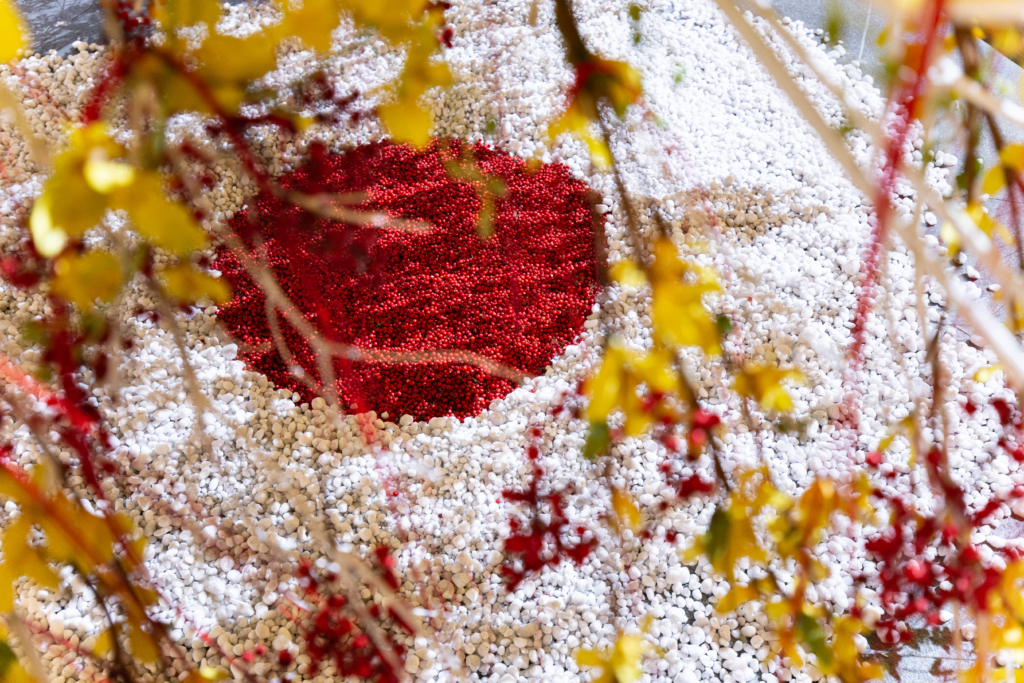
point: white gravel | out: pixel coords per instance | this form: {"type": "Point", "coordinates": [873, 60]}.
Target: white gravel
{"type": "Point", "coordinates": [214, 495]}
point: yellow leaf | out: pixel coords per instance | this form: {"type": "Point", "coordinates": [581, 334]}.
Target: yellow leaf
{"type": "Point", "coordinates": [68, 204]}
{"type": "Point", "coordinates": [227, 58]}
{"type": "Point", "coordinates": [394, 19]}
{"type": "Point", "coordinates": [995, 180]}
{"type": "Point", "coordinates": [143, 646]}
{"type": "Point", "coordinates": [405, 119]}
{"type": "Point", "coordinates": [605, 387]}
{"type": "Point", "coordinates": [628, 274]}
{"type": "Point", "coordinates": [1013, 156]}
{"type": "Point", "coordinates": [48, 239]}
{"type": "Point", "coordinates": [83, 279]}
{"type": "Point", "coordinates": [763, 385]}
{"type": "Point", "coordinates": [13, 31]}
{"type": "Point", "coordinates": [621, 663]}
{"type": "Point", "coordinates": [176, 13]}
{"type": "Point", "coordinates": [950, 237]}
{"type": "Point", "coordinates": [167, 224]}
{"type": "Point", "coordinates": [575, 122]}
{"type": "Point", "coordinates": [105, 176]}
{"type": "Point", "coordinates": [737, 596]}
{"type": "Point", "coordinates": [627, 513]}
{"type": "Point", "coordinates": [313, 23]}
{"type": "Point", "coordinates": [186, 285]}
{"type": "Point", "coordinates": [678, 310]}
{"type": "Point", "coordinates": [406, 122]}
{"type": "Point", "coordinates": [986, 373]}
{"type": "Point", "coordinates": [987, 224]}
{"type": "Point", "coordinates": [104, 644]}
{"type": "Point", "coordinates": [208, 674]}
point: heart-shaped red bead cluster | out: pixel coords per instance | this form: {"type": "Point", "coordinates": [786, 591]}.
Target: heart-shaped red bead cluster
{"type": "Point", "coordinates": [517, 298]}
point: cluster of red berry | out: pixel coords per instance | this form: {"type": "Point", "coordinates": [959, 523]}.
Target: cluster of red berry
{"type": "Point", "coordinates": [516, 297]}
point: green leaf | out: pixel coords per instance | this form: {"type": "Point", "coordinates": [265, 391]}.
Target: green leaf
{"type": "Point", "coordinates": [598, 439]}
{"type": "Point", "coordinates": [716, 538]}
{"type": "Point", "coordinates": [7, 658]}
{"type": "Point", "coordinates": [814, 637]}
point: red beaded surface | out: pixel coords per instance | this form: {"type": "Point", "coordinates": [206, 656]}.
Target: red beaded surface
{"type": "Point", "coordinates": [517, 298]}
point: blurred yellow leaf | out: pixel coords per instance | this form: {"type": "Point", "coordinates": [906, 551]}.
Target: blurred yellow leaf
{"type": "Point", "coordinates": [185, 284]}
{"type": "Point", "coordinates": [83, 279]}
{"type": "Point", "coordinates": [167, 224]}
{"type": "Point", "coordinates": [678, 310]}
{"type": "Point", "coordinates": [105, 176]}
{"type": "Point", "coordinates": [577, 123]}
{"type": "Point", "coordinates": [737, 596]}
{"type": "Point", "coordinates": [1013, 156]}
{"type": "Point", "coordinates": [144, 647]}
{"type": "Point", "coordinates": [763, 385]}
{"type": "Point", "coordinates": [995, 180]}
{"type": "Point", "coordinates": [616, 383]}
{"type": "Point", "coordinates": [13, 31]}
{"type": "Point", "coordinates": [48, 239]}
{"type": "Point", "coordinates": [394, 19]}
{"type": "Point", "coordinates": [597, 80]}
{"type": "Point", "coordinates": [627, 514]}
{"type": "Point", "coordinates": [950, 237]}
{"type": "Point", "coordinates": [628, 274]}
{"type": "Point", "coordinates": [313, 23]}
{"type": "Point", "coordinates": [21, 560]}
{"type": "Point", "coordinates": [407, 122]}
{"type": "Point", "coordinates": [987, 224]}
{"type": "Point", "coordinates": [620, 663]}
{"type": "Point", "coordinates": [68, 204]}
{"type": "Point", "coordinates": [104, 644]}
{"type": "Point", "coordinates": [208, 674]}
{"type": "Point", "coordinates": [229, 59]}
{"type": "Point", "coordinates": [986, 373]}
{"type": "Point", "coordinates": [405, 118]}
{"type": "Point", "coordinates": [176, 13]}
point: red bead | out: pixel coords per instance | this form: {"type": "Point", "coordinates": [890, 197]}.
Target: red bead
{"type": "Point", "coordinates": [517, 298]}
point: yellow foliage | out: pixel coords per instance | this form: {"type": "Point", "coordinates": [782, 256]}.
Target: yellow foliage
{"type": "Point", "coordinates": [763, 385]}
{"type": "Point", "coordinates": [228, 64]}
{"type": "Point", "coordinates": [986, 373]}
{"type": "Point", "coordinates": [620, 663]}
{"type": "Point", "coordinates": [144, 646]}
{"type": "Point", "coordinates": [13, 32]}
{"type": "Point", "coordinates": [576, 122]}
{"type": "Point", "coordinates": [627, 514]}
{"type": "Point", "coordinates": [616, 383]}
{"type": "Point", "coordinates": [597, 80]}
{"type": "Point", "coordinates": [406, 119]}
{"type": "Point", "coordinates": [678, 310]}
{"type": "Point", "coordinates": [736, 597]}
{"type": "Point", "coordinates": [987, 224]}
{"type": "Point", "coordinates": [87, 180]}
{"type": "Point", "coordinates": [165, 223]}
{"type": "Point", "coordinates": [69, 204]}
{"type": "Point", "coordinates": [185, 284]}
{"type": "Point", "coordinates": [628, 274]}
{"type": "Point", "coordinates": [394, 19]}
{"type": "Point", "coordinates": [730, 535]}
{"type": "Point", "coordinates": [82, 280]}
{"type": "Point", "coordinates": [173, 14]}
{"type": "Point", "coordinates": [208, 674]}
